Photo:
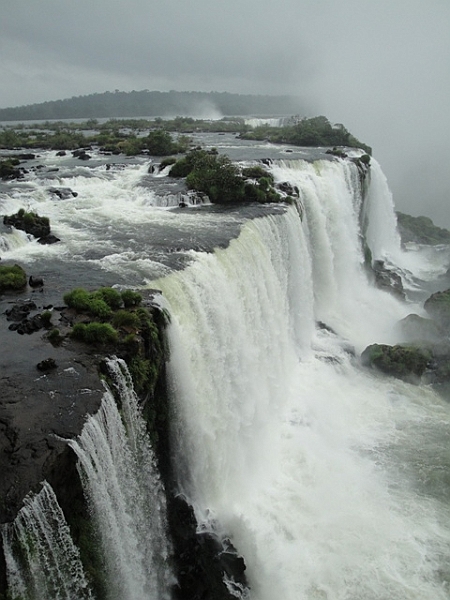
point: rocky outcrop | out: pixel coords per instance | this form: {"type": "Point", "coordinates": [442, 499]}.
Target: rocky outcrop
{"type": "Point", "coordinates": [387, 279]}
{"type": "Point", "coordinates": [47, 392]}
{"type": "Point", "coordinates": [202, 560]}
{"type": "Point", "coordinates": [438, 307]}
{"type": "Point", "coordinates": [405, 362]}
{"type": "Point", "coordinates": [32, 223]}
{"type": "Point", "coordinates": [63, 193]}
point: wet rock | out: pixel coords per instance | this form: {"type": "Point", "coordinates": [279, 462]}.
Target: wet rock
{"type": "Point", "coordinates": [35, 282]}
{"type": "Point", "coordinates": [29, 222]}
{"type": "Point", "coordinates": [438, 307]}
{"type": "Point", "coordinates": [63, 192]}
{"type": "Point", "coordinates": [20, 311]}
{"type": "Point", "coordinates": [49, 239]}
{"type": "Point", "coordinates": [202, 559]}
{"type": "Point", "coordinates": [47, 364]}
{"type": "Point", "coordinates": [288, 189]}
{"type": "Point", "coordinates": [81, 154]}
{"type": "Point", "coordinates": [405, 362]}
{"type": "Point", "coordinates": [387, 279]}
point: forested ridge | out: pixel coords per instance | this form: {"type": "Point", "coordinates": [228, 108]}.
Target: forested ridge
{"type": "Point", "coordinates": [152, 104]}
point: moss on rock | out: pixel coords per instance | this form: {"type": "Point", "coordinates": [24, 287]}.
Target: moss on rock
{"type": "Point", "coordinates": [402, 361]}
{"type": "Point", "coordinates": [12, 278]}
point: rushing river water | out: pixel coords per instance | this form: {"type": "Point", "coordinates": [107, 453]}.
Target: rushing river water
{"type": "Point", "coordinates": [332, 481]}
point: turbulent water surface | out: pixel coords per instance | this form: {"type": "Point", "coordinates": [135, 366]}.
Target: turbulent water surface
{"type": "Point", "coordinates": [331, 481]}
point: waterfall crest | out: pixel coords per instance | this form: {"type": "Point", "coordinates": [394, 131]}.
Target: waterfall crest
{"type": "Point", "coordinates": [282, 440]}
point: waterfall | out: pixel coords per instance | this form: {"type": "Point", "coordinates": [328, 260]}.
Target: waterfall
{"type": "Point", "coordinates": [330, 480]}
{"type": "Point", "coordinates": [119, 474]}
{"type": "Point", "coordinates": [309, 463]}
{"type": "Point", "coordinates": [127, 502]}
{"type": "Point", "coordinates": [41, 558]}
{"type": "Point", "coordinates": [381, 232]}
{"type": "Point", "coordinates": [333, 201]}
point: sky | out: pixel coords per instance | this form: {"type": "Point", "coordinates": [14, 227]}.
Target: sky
{"type": "Point", "coordinates": [380, 67]}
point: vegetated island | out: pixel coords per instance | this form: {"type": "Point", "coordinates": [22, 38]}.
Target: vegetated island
{"type": "Point", "coordinates": [157, 136]}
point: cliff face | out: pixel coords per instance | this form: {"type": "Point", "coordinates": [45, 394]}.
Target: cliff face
{"type": "Point", "coordinates": [41, 407]}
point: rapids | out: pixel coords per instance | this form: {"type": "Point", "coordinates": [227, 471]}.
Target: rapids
{"type": "Point", "coordinates": [331, 480]}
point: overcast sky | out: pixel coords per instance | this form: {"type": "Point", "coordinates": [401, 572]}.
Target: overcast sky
{"type": "Point", "coordinates": [380, 67]}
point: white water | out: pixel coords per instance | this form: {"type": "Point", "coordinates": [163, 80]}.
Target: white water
{"type": "Point", "coordinates": [330, 480]}
{"type": "Point", "coordinates": [118, 471]}
{"type": "Point", "coordinates": [314, 466]}
{"type": "Point", "coordinates": [48, 564]}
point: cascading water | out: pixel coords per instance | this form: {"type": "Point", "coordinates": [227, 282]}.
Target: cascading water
{"type": "Point", "coordinates": [118, 471]}
{"type": "Point", "coordinates": [330, 480]}
{"type": "Point", "coordinates": [41, 558]}
{"type": "Point", "coordinates": [309, 463]}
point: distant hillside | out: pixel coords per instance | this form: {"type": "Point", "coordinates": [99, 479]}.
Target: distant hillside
{"type": "Point", "coordinates": [155, 104]}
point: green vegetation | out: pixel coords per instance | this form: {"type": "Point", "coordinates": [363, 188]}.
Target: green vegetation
{"type": "Point", "coordinates": [421, 230]}
{"type": "Point", "coordinates": [12, 278]}
{"type": "Point", "coordinates": [402, 361]}
{"type": "Point", "coordinates": [222, 181]}
{"type": "Point", "coordinates": [93, 303]}
{"type": "Point", "coordinates": [438, 307]}
{"type": "Point", "coordinates": [8, 168]}
{"type": "Point", "coordinates": [316, 131]}
{"type": "Point", "coordinates": [131, 298]}
{"type": "Point", "coordinates": [54, 337]}
{"type": "Point", "coordinates": [30, 222]}
{"type": "Point", "coordinates": [126, 319]}
{"type": "Point", "coordinates": [95, 333]}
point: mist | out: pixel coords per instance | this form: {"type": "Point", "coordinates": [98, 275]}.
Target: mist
{"type": "Point", "coordinates": [381, 69]}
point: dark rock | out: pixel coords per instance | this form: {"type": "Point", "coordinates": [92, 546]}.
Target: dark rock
{"type": "Point", "coordinates": [405, 362]}
{"type": "Point", "coordinates": [34, 417]}
{"type": "Point", "coordinates": [28, 326]}
{"type": "Point", "coordinates": [30, 222]}
{"type": "Point", "coordinates": [63, 192]}
{"type": "Point", "coordinates": [61, 153]}
{"type": "Point", "coordinates": [49, 239]}
{"type": "Point", "coordinates": [9, 171]}
{"type": "Point", "coordinates": [387, 279]}
{"type": "Point", "coordinates": [288, 189]}
{"type": "Point", "coordinates": [201, 558]}
{"type": "Point", "coordinates": [35, 282]}
{"type": "Point", "coordinates": [81, 154]}
{"type": "Point", "coordinates": [47, 364]}
{"type": "Point", "coordinates": [438, 307]}
{"type": "Point", "coordinates": [20, 311]}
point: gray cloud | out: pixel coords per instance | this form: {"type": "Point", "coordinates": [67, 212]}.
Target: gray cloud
{"type": "Point", "coordinates": [381, 68]}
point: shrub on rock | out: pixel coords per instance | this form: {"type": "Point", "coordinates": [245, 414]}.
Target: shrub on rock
{"type": "Point", "coordinates": [12, 278]}
{"type": "Point", "coordinates": [405, 362]}
{"type": "Point", "coordinates": [30, 222]}
{"type": "Point", "coordinates": [95, 333]}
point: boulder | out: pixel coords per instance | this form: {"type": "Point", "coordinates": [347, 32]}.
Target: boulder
{"type": "Point", "coordinates": [387, 279]}
{"type": "Point", "coordinates": [406, 362]}
{"type": "Point", "coordinates": [438, 307]}
{"type": "Point", "coordinates": [63, 192]}
{"type": "Point", "coordinates": [29, 222]}
{"type": "Point", "coordinates": [49, 239]}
